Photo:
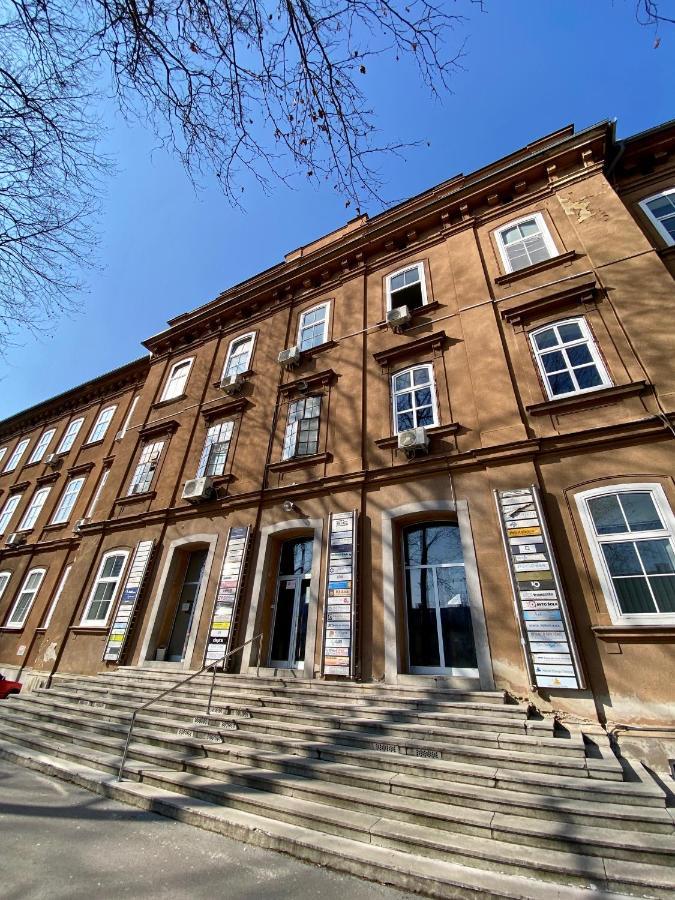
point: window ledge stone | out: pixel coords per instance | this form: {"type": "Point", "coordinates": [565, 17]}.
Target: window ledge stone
{"type": "Point", "coordinates": [309, 383]}
{"type": "Point", "coordinates": [391, 443]}
{"type": "Point", "coordinates": [592, 398]}
{"type": "Point", "coordinates": [50, 478]}
{"type": "Point", "coordinates": [299, 462]}
{"type": "Point", "coordinates": [88, 629]}
{"type": "Point", "coordinates": [316, 351]}
{"type": "Point", "coordinates": [166, 426]}
{"type": "Point", "coordinates": [559, 260]}
{"type": "Point", "coordinates": [12, 629]}
{"type": "Point", "coordinates": [19, 486]}
{"type": "Point", "coordinates": [431, 342]}
{"type": "Point", "coordinates": [135, 498]}
{"type": "Point", "coordinates": [82, 469]}
{"type": "Point", "coordinates": [636, 633]}
{"type": "Point", "coordinates": [226, 407]}
{"type": "Point", "coordinates": [54, 526]}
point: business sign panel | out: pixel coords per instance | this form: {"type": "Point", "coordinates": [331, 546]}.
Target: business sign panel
{"type": "Point", "coordinates": [227, 595]}
{"type": "Point", "coordinates": [119, 631]}
{"type": "Point", "coordinates": [339, 616]}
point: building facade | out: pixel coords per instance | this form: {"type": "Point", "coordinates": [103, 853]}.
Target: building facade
{"type": "Point", "coordinates": [460, 472]}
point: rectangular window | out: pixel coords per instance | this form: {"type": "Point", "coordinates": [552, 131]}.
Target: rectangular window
{"type": "Point", "coordinates": [99, 488]}
{"type": "Point", "coordinates": [414, 399]}
{"type": "Point", "coordinates": [525, 242]}
{"type": "Point", "coordinates": [302, 428]}
{"type": "Point", "coordinates": [4, 581]}
{"type": "Point", "coordinates": [41, 446]}
{"type": "Point", "coordinates": [26, 598]}
{"type": "Point", "coordinates": [68, 500]}
{"type": "Point", "coordinates": [178, 376]}
{"type": "Point", "coordinates": [568, 359]}
{"type": "Point", "coordinates": [15, 458]}
{"type": "Point", "coordinates": [105, 588]}
{"type": "Point", "coordinates": [239, 355]}
{"type": "Point", "coordinates": [34, 509]}
{"type": "Point", "coordinates": [216, 447]}
{"type": "Point", "coordinates": [57, 597]}
{"type": "Point", "coordinates": [145, 470]}
{"type": "Point", "coordinates": [407, 288]}
{"type": "Point", "coordinates": [313, 327]}
{"type": "Point", "coordinates": [101, 425]}
{"type": "Point", "coordinates": [661, 211]}
{"type": "Point", "coordinates": [68, 438]}
{"type": "Point", "coordinates": [8, 511]}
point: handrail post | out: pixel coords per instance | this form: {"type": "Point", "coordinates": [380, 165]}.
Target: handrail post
{"type": "Point", "coordinates": [120, 774]}
{"type": "Point", "coordinates": [257, 668]}
{"type": "Point", "coordinates": [213, 681]}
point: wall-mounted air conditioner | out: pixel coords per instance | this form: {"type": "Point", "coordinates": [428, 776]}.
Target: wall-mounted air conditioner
{"type": "Point", "coordinates": [196, 490]}
{"type": "Point", "coordinates": [398, 318]}
{"type": "Point", "coordinates": [232, 384]}
{"type": "Point", "coordinates": [53, 460]}
{"type": "Point", "coordinates": [414, 440]}
{"type": "Point", "coordinates": [289, 358]}
{"type": "Point", "coordinates": [16, 539]}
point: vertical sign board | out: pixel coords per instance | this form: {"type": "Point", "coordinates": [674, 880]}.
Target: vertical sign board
{"type": "Point", "coordinates": [546, 635]}
{"type": "Point", "coordinates": [339, 617]}
{"type": "Point", "coordinates": [127, 605]}
{"type": "Point", "coordinates": [227, 595]}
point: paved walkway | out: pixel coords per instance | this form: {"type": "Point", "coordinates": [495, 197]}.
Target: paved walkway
{"type": "Point", "coordinates": [60, 841]}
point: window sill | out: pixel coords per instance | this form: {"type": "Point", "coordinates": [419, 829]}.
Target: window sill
{"type": "Point", "coordinates": [162, 403]}
{"type": "Point", "coordinates": [93, 443]}
{"type": "Point", "coordinates": [222, 480]}
{"type": "Point", "coordinates": [12, 629]}
{"type": "Point", "coordinates": [426, 344]}
{"type": "Point", "coordinates": [561, 259]}
{"type": "Point", "coordinates": [54, 526]}
{"type": "Point", "coordinates": [135, 498]}
{"type": "Point", "coordinates": [316, 351]}
{"type": "Point", "coordinates": [666, 252]}
{"type": "Point", "coordinates": [391, 443]}
{"type": "Point", "coordinates": [299, 462]}
{"type": "Point", "coordinates": [88, 629]}
{"type": "Point", "coordinates": [47, 479]}
{"type": "Point", "coordinates": [592, 398]}
{"type": "Point", "coordinates": [636, 633]}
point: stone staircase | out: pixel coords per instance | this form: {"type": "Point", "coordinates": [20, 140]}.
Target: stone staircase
{"type": "Point", "coordinates": [444, 793]}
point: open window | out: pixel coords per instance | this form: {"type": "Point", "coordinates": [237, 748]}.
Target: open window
{"type": "Point", "coordinates": [407, 287]}
{"type": "Point", "coordinates": [660, 209]}
{"type": "Point", "coordinates": [525, 242]}
{"type": "Point", "coordinates": [568, 358]}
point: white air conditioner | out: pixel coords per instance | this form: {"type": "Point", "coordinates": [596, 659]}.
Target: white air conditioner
{"type": "Point", "coordinates": [289, 358]}
{"type": "Point", "coordinates": [232, 384]}
{"type": "Point", "coordinates": [414, 440]}
{"type": "Point", "coordinates": [198, 489]}
{"type": "Point", "coordinates": [119, 436]}
{"type": "Point", "coordinates": [398, 318]}
{"type": "Point", "coordinates": [79, 524]}
{"type": "Point", "coordinates": [52, 459]}
{"type": "Point", "coordinates": [16, 539]}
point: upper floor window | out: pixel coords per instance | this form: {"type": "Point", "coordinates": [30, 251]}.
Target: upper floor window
{"type": "Point", "coordinates": [57, 596]}
{"type": "Point", "coordinates": [631, 529]}
{"type": "Point", "coordinates": [3, 450]}
{"type": "Point", "coordinates": [145, 470]}
{"type": "Point", "coordinates": [407, 287]}
{"type": "Point", "coordinates": [302, 428]}
{"type": "Point", "coordinates": [525, 242]}
{"type": "Point", "coordinates": [127, 421]}
{"type": "Point", "coordinates": [4, 581]}
{"type": "Point", "coordinates": [661, 211]}
{"type": "Point", "coordinates": [216, 447]}
{"type": "Point", "coordinates": [568, 358]}
{"type": "Point", "coordinates": [99, 489]}
{"type": "Point", "coordinates": [34, 509]}
{"type": "Point", "coordinates": [97, 433]}
{"type": "Point", "coordinates": [178, 376]}
{"type": "Point", "coordinates": [15, 458]}
{"type": "Point", "coordinates": [414, 399]}
{"type": "Point", "coordinates": [26, 598]}
{"type": "Point", "coordinates": [105, 588]}
{"type": "Point", "coordinates": [239, 355]}
{"type": "Point", "coordinates": [313, 327]}
{"type": "Point", "coordinates": [8, 511]}
{"type": "Point", "coordinates": [68, 500]}
{"type": "Point", "coordinates": [41, 446]}
{"type": "Point", "coordinates": [68, 438]}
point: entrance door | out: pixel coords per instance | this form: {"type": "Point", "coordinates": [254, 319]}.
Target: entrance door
{"type": "Point", "coordinates": [289, 628]}
{"type": "Point", "coordinates": [440, 632]}
{"type": "Point", "coordinates": [186, 606]}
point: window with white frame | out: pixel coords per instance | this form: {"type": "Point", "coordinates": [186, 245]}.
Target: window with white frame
{"type": "Point", "coordinates": [414, 398]}
{"type": "Point", "coordinates": [407, 287]}
{"type": "Point", "coordinates": [4, 581]}
{"type": "Point", "coordinates": [8, 511]}
{"type": "Point", "coordinates": [525, 242]}
{"type": "Point", "coordinates": [26, 598]}
{"type": "Point", "coordinates": [41, 446]}
{"type": "Point", "coordinates": [105, 588]}
{"type": "Point", "coordinates": [631, 532]}
{"type": "Point", "coordinates": [127, 421]}
{"type": "Point", "coordinates": [661, 211]}
{"type": "Point", "coordinates": [3, 450]}
{"type": "Point", "coordinates": [57, 597]}
{"type": "Point", "coordinates": [313, 327]}
{"type": "Point", "coordinates": [216, 448]}
{"type": "Point", "coordinates": [15, 458]}
{"type": "Point", "coordinates": [34, 509]}
{"type": "Point", "coordinates": [68, 438]}
{"type": "Point", "coordinates": [239, 355]}
{"type": "Point", "coordinates": [302, 428]}
{"type": "Point", "coordinates": [97, 433]}
{"type": "Point", "coordinates": [178, 376]}
{"type": "Point", "coordinates": [97, 494]}
{"type": "Point", "coordinates": [568, 358]}
{"type": "Point", "coordinates": [68, 500]}
{"type": "Point", "coordinates": [145, 470]}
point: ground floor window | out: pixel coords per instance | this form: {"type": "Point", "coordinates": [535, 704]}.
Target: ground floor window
{"type": "Point", "coordinates": [291, 604]}
{"type": "Point", "coordinates": [105, 588]}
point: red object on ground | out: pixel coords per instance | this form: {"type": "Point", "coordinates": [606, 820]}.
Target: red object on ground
{"type": "Point", "coordinates": [8, 687]}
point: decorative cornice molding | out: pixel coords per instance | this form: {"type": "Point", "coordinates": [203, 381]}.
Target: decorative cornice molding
{"type": "Point", "coordinates": [82, 469]}
{"type": "Point", "coordinates": [226, 408]}
{"type": "Point", "coordinates": [585, 292]}
{"type": "Point", "coordinates": [307, 383]}
{"type": "Point", "coordinates": [430, 342]}
{"type": "Point", "coordinates": [167, 426]}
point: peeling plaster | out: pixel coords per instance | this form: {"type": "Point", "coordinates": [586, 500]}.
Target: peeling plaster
{"type": "Point", "coordinates": [21, 650]}
{"type": "Point", "coordinates": [50, 653]}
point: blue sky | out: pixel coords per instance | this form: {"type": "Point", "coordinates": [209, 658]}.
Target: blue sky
{"type": "Point", "coordinates": [530, 67]}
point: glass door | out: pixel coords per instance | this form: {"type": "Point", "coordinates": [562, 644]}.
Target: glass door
{"type": "Point", "coordinates": [440, 631]}
{"type": "Point", "coordinates": [291, 604]}
{"type": "Point", "coordinates": [185, 607]}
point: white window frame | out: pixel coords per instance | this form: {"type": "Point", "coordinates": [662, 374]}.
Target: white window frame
{"type": "Point", "coordinates": [95, 623]}
{"type": "Point", "coordinates": [217, 435]}
{"type": "Point", "coordinates": [97, 493]}
{"type": "Point", "coordinates": [66, 504]}
{"type": "Point", "coordinates": [70, 434]}
{"type": "Point", "coordinates": [34, 509]}
{"type": "Point", "coordinates": [543, 230]}
{"type": "Point", "coordinates": [101, 423]}
{"type": "Point", "coordinates": [422, 276]}
{"type": "Point", "coordinates": [662, 505]}
{"type": "Point", "coordinates": [250, 337]}
{"type": "Point", "coordinates": [302, 326]}
{"type": "Point", "coordinates": [127, 421]}
{"type": "Point", "coordinates": [17, 453]}
{"type": "Point", "coordinates": [41, 446]}
{"type": "Point", "coordinates": [57, 596]}
{"type": "Point", "coordinates": [394, 394]}
{"type": "Point", "coordinates": [5, 577]}
{"type": "Point", "coordinates": [295, 428]}
{"type": "Point", "coordinates": [656, 223]}
{"type": "Point", "coordinates": [3, 450]}
{"type": "Point", "coordinates": [151, 453]}
{"type": "Point", "coordinates": [588, 340]}
{"type": "Point", "coordinates": [13, 500]}
{"type": "Point", "coordinates": [171, 393]}
{"type": "Point", "coordinates": [19, 623]}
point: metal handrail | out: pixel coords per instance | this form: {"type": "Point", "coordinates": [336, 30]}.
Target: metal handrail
{"type": "Point", "coordinates": [214, 665]}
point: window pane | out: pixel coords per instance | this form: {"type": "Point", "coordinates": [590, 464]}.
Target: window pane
{"type": "Point", "coordinates": [657, 557]}
{"type": "Point", "coordinates": [660, 206]}
{"type": "Point", "coordinates": [422, 628]}
{"type": "Point", "coordinates": [606, 514]}
{"type": "Point", "coordinates": [434, 544]}
{"type": "Point", "coordinates": [404, 421]}
{"type": "Point", "coordinates": [579, 355]}
{"type": "Point", "coordinates": [425, 417]}
{"type": "Point", "coordinates": [634, 595]}
{"type": "Point", "coordinates": [553, 362]}
{"type": "Point", "coordinates": [664, 591]}
{"type": "Point", "coordinates": [402, 381]}
{"type": "Point", "coordinates": [622, 558]}
{"type": "Point", "coordinates": [421, 376]}
{"type": "Point", "coordinates": [528, 228]}
{"type": "Point", "coordinates": [537, 250]}
{"type": "Point", "coordinates": [411, 276]}
{"type": "Point", "coordinates": [403, 402]}
{"type": "Point", "coordinates": [112, 567]}
{"type": "Point", "coordinates": [640, 511]}
{"type": "Point", "coordinates": [423, 397]}
{"type": "Point", "coordinates": [588, 377]}
{"type": "Point", "coordinates": [546, 339]}
{"type": "Point", "coordinates": [510, 234]}
{"type": "Point", "coordinates": [398, 281]}
{"type": "Point", "coordinates": [570, 331]}
{"type": "Point", "coordinates": [561, 383]}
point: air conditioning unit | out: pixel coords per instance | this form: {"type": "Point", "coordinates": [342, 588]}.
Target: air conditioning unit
{"type": "Point", "coordinates": [232, 384]}
{"type": "Point", "coordinates": [289, 358]}
{"type": "Point", "coordinates": [119, 436]}
{"type": "Point", "coordinates": [198, 489]}
{"type": "Point", "coordinates": [53, 460]}
{"type": "Point", "coordinates": [398, 318]}
{"type": "Point", "coordinates": [16, 539]}
{"type": "Point", "coordinates": [412, 441]}
{"type": "Point", "coordinates": [79, 524]}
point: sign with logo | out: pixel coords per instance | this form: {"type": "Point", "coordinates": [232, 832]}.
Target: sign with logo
{"type": "Point", "coordinates": [227, 594]}
{"type": "Point", "coordinates": [546, 635]}
{"type": "Point", "coordinates": [126, 608]}
{"type": "Point", "coordinates": [339, 615]}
